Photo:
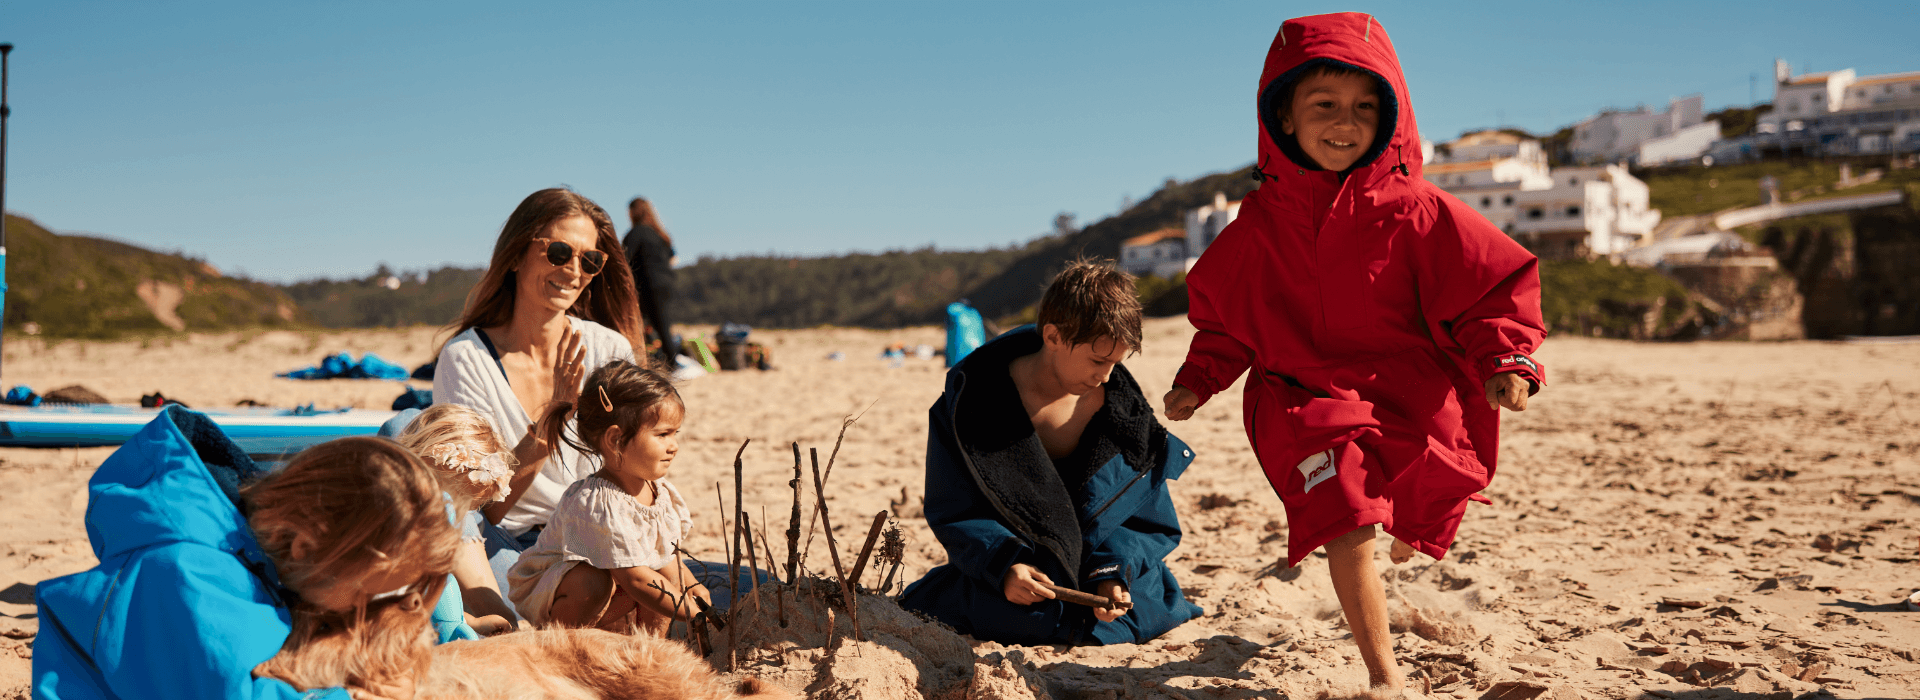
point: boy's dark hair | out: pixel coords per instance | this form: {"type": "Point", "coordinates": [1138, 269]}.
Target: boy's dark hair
{"type": "Point", "coordinates": [1091, 300]}
{"type": "Point", "coordinates": [621, 394]}
{"type": "Point", "coordinates": [1329, 68]}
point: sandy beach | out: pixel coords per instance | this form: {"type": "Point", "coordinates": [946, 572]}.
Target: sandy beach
{"type": "Point", "coordinates": [1669, 520]}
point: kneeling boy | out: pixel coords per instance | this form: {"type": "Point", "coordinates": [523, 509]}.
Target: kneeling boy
{"type": "Point", "coordinates": [1045, 466]}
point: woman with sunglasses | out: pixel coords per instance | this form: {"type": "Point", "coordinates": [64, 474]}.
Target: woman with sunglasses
{"type": "Point", "coordinates": [556, 302]}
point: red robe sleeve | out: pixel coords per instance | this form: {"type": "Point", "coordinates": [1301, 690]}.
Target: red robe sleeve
{"type": "Point", "coordinates": [1215, 359]}
{"type": "Point", "coordinates": [1480, 292]}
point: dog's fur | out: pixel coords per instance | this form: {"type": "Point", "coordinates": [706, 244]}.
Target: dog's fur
{"type": "Point", "coordinates": [394, 637]}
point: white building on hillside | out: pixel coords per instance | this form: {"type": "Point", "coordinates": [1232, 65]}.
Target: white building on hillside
{"type": "Point", "coordinates": [1487, 170]}
{"type": "Point", "coordinates": [1588, 212]}
{"type": "Point", "coordinates": [1163, 253]}
{"type": "Point", "coordinates": [1556, 213]}
{"type": "Point", "coordinates": [1613, 135]}
{"type": "Point", "coordinates": [1685, 144]}
{"type": "Point", "coordinates": [1838, 113]}
{"type": "Point", "coordinates": [1205, 224]}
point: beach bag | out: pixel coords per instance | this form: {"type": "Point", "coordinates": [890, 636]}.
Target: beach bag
{"type": "Point", "coordinates": [731, 342]}
{"type": "Point", "coordinates": [965, 331]}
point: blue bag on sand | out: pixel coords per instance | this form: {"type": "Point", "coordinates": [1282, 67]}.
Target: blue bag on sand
{"type": "Point", "coordinates": [965, 331]}
{"type": "Point", "coordinates": [343, 366]}
{"type": "Point", "coordinates": [21, 396]}
{"type": "Point", "coordinates": [374, 367]}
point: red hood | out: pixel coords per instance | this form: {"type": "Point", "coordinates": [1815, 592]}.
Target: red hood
{"type": "Point", "coordinates": [1357, 40]}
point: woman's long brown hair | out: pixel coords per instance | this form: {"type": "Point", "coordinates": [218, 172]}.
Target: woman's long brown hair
{"type": "Point", "coordinates": [608, 300]}
{"type": "Point", "coordinates": [643, 215]}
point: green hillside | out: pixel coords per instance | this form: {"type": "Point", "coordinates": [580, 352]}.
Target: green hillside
{"type": "Point", "coordinates": [433, 298]}
{"type": "Point", "coordinates": [914, 287]}
{"type": "Point", "coordinates": [1704, 190]}
{"type": "Point", "coordinates": [86, 287]}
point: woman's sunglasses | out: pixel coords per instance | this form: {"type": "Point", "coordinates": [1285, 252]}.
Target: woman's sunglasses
{"type": "Point", "coordinates": [559, 253]}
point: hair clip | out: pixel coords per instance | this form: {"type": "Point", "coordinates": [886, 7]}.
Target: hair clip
{"type": "Point", "coordinates": [604, 401]}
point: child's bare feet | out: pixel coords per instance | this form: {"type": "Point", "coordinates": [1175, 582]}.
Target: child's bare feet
{"type": "Point", "coordinates": [1401, 552]}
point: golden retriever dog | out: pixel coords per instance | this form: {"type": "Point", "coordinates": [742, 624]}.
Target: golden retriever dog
{"type": "Point", "coordinates": [393, 640]}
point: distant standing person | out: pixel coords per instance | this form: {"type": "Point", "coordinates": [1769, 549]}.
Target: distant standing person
{"type": "Point", "coordinates": [650, 254]}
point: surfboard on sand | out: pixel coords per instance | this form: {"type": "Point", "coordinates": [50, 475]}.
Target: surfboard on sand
{"type": "Point", "coordinates": [268, 433]}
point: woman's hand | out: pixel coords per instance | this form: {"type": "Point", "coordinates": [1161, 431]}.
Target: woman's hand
{"type": "Point", "coordinates": [1181, 403]}
{"type": "Point", "coordinates": [1507, 389]}
{"type": "Point", "coordinates": [569, 367]}
{"type": "Point", "coordinates": [1115, 591]}
{"type": "Point", "coordinates": [1025, 585]}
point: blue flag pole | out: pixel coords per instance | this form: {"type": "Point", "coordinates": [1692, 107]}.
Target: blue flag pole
{"type": "Point", "coordinates": [5, 50]}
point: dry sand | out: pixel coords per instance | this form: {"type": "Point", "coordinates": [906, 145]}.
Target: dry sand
{"type": "Point", "coordinates": [1690, 521]}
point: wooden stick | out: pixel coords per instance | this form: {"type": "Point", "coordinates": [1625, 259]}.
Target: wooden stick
{"type": "Point", "coordinates": [733, 563]}
{"type": "Point", "coordinates": [793, 528]}
{"type": "Point", "coordinates": [753, 560]}
{"type": "Point", "coordinates": [846, 592]}
{"type": "Point", "coordinates": [1083, 598]}
{"type": "Point", "coordinates": [821, 482]}
{"type": "Point", "coordinates": [866, 550]}
{"type": "Point", "coordinates": [768, 544]}
{"type": "Point", "coordinates": [721, 498]}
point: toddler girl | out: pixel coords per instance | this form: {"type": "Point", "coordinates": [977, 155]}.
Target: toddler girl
{"type": "Point", "coordinates": [472, 466]}
{"type": "Point", "coordinates": [608, 551]}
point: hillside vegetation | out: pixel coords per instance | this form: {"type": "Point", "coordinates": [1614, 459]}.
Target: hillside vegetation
{"type": "Point", "coordinates": [432, 298]}
{"type": "Point", "coordinates": [914, 287]}
{"type": "Point", "coordinates": [87, 287]}
{"type": "Point", "coordinates": [1699, 189]}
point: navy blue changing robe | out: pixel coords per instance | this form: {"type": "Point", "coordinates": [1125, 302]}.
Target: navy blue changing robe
{"type": "Point", "coordinates": [995, 498]}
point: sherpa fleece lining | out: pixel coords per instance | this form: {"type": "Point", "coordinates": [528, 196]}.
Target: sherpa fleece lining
{"type": "Point", "coordinates": [1008, 459]}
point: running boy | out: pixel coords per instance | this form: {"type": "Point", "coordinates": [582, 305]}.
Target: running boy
{"type": "Point", "coordinates": [1384, 321]}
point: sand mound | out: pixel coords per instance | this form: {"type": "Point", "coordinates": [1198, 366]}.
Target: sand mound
{"type": "Point", "coordinates": [903, 655]}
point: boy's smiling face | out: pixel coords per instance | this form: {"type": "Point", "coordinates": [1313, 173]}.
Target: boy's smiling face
{"type": "Point", "coordinates": [1334, 118]}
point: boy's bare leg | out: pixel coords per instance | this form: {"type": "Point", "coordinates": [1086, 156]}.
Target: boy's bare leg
{"type": "Point", "coordinates": [1401, 552]}
{"type": "Point", "coordinates": [1364, 600]}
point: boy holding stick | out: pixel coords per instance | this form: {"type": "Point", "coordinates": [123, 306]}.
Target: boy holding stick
{"type": "Point", "coordinates": [1046, 480]}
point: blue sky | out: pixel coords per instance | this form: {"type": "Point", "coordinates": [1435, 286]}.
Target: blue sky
{"type": "Point", "coordinates": [291, 140]}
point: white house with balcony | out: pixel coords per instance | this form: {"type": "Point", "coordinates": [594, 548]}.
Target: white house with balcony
{"type": "Point", "coordinates": [1616, 135]}
{"type": "Point", "coordinates": [1587, 212]}
{"type": "Point", "coordinates": [1487, 170]}
{"type": "Point", "coordinates": [1840, 112]}
{"type": "Point", "coordinates": [1556, 213]}
{"type": "Point", "coordinates": [1162, 253]}
{"type": "Point", "coordinates": [1205, 224]}
{"type": "Point", "coordinates": [1797, 99]}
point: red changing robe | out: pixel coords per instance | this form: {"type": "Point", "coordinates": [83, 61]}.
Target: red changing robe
{"type": "Point", "coordinates": [1371, 310]}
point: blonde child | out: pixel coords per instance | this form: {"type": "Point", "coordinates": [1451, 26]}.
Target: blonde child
{"type": "Point", "coordinates": [197, 576]}
{"type": "Point", "coordinates": [472, 466]}
{"type": "Point", "coordinates": [608, 551]}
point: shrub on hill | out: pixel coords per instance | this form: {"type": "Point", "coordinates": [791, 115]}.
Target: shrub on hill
{"type": "Point", "coordinates": [87, 287]}
{"type": "Point", "coordinates": [890, 289]}
{"type": "Point", "coordinates": [432, 298]}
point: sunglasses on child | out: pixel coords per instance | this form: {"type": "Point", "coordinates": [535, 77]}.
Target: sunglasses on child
{"type": "Point", "coordinates": [559, 253]}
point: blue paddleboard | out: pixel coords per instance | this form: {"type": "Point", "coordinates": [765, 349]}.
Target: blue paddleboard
{"type": "Point", "coordinates": [266, 432]}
